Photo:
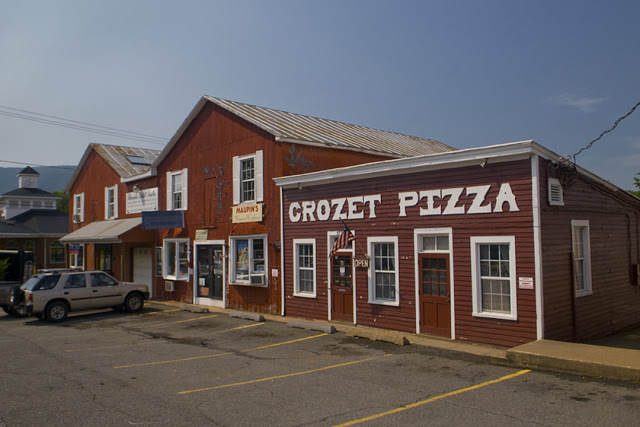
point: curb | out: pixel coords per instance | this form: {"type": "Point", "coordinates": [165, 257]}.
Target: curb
{"type": "Point", "coordinates": [378, 335]}
{"type": "Point", "coordinates": [327, 329]}
{"type": "Point", "coordinates": [245, 315]}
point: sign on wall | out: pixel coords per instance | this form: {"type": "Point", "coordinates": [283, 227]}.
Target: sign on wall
{"type": "Point", "coordinates": [247, 213]}
{"type": "Point", "coordinates": [143, 200]}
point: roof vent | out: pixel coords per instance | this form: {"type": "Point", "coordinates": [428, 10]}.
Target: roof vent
{"type": "Point", "coordinates": [556, 197]}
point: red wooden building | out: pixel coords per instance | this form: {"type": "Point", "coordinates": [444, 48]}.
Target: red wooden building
{"type": "Point", "coordinates": [500, 245]}
{"type": "Point", "coordinates": [218, 229]}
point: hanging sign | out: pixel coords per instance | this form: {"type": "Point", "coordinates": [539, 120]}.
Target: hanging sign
{"type": "Point", "coordinates": [361, 263]}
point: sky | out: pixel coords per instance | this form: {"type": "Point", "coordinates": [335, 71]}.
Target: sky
{"type": "Point", "coordinates": [467, 73]}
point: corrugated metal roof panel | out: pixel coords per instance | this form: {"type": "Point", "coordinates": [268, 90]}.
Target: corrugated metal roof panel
{"type": "Point", "coordinates": [116, 157]}
{"type": "Point", "coordinates": [296, 127]}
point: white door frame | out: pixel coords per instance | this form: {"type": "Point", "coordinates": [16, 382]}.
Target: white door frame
{"type": "Point", "coordinates": [203, 300]}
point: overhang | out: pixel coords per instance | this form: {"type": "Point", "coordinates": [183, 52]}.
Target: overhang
{"type": "Point", "coordinates": [110, 231]}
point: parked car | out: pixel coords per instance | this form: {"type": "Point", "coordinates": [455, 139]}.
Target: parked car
{"type": "Point", "coordinates": [11, 300]}
{"type": "Point", "coordinates": [52, 295]}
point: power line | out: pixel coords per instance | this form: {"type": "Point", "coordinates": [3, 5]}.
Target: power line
{"type": "Point", "coordinates": [83, 126]}
{"type": "Point", "coordinates": [35, 164]}
{"type": "Point", "coordinates": [606, 131]}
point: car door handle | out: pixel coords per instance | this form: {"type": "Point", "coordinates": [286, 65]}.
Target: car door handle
{"type": "Point", "coordinates": [95, 290]}
{"type": "Point", "coordinates": [66, 293]}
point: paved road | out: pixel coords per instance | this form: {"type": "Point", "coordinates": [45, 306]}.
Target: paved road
{"type": "Point", "coordinates": [171, 367]}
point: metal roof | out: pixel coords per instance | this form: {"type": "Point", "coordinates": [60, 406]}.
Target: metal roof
{"type": "Point", "coordinates": [102, 231]}
{"type": "Point", "coordinates": [116, 157]}
{"type": "Point", "coordinates": [296, 128]}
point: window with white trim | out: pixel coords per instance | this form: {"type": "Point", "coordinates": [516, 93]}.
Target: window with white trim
{"type": "Point", "coordinates": [177, 190]}
{"type": "Point", "coordinates": [493, 275]}
{"type": "Point", "coordinates": [76, 256]}
{"type": "Point", "coordinates": [111, 202]}
{"type": "Point", "coordinates": [581, 257]}
{"type": "Point", "coordinates": [175, 259]}
{"type": "Point", "coordinates": [383, 270]}
{"type": "Point", "coordinates": [248, 178]}
{"type": "Point", "coordinates": [248, 263]}
{"type": "Point", "coordinates": [78, 208]}
{"type": "Point", "coordinates": [304, 279]}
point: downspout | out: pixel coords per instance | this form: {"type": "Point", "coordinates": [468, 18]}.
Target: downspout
{"type": "Point", "coordinates": [282, 253]}
{"type": "Point", "coordinates": [537, 245]}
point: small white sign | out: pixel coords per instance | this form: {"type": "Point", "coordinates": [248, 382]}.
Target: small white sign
{"type": "Point", "coordinates": [361, 263]}
{"type": "Point", "coordinates": [525, 282]}
{"type": "Point", "coordinates": [275, 272]}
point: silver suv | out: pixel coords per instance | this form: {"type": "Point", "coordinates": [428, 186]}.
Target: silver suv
{"type": "Point", "coordinates": [53, 295]}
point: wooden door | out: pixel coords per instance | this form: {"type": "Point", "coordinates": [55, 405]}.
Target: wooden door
{"type": "Point", "coordinates": [341, 288]}
{"type": "Point", "coordinates": [435, 305]}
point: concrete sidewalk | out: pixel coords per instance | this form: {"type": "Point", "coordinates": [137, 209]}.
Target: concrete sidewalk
{"type": "Point", "coordinates": [616, 357]}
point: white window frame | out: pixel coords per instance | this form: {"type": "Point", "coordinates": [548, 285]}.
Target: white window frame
{"type": "Point", "coordinates": [476, 278]}
{"type": "Point", "coordinates": [107, 190]}
{"type": "Point", "coordinates": [78, 207]}
{"type": "Point", "coordinates": [584, 225]}
{"type": "Point", "coordinates": [371, 242]}
{"type": "Point", "coordinates": [554, 182]}
{"type": "Point", "coordinates": [297, 243]}
{"type": "Point", "coordinates": [77, 260]}
{"type": "Point", "coordinates": [172, 176]}
{"type": "Point", "coordinates": [258, 178]}
{"type": "Point", "coordinates": [233, 280]}
{"type": "Point", "coordinates": [165, 258]}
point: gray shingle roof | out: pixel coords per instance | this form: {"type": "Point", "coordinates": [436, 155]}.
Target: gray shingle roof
{"type": "Point", "coordinates": [30, 192]}
{"type": "Point", "coordinates": [36, 222]}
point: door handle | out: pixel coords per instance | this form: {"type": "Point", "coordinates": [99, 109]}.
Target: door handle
{"type": "Point", "coordinates": [95, 290]}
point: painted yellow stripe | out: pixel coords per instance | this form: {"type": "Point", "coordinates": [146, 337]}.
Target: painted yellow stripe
{"type": "Point", "coordinates": [433, 399]}
{"type": "Point", "coordinates": [235, 329]}
{"type": "Point", "coordinates": [181, 321]}
{"type": "Point", "coordinates": [277, 377]}
{"type": "Point", "coordinates": [160, 311]}
{"type": "Point", "coordinates": [97, 348]}
{"type": "Point", "coordinates": [213, 355]}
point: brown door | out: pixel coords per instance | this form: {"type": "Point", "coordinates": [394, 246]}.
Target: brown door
{"type": "Point", "coordinates": [435, 308]}
{"type": "Point", "coordinates": [341, 288]}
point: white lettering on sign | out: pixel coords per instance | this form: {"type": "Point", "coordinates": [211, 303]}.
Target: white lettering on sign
{"type": "Point", "coordinates": [360, 207]}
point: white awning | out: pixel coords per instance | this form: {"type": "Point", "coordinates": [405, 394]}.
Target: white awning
{"type": "Point", "coordinates": [102, 231]}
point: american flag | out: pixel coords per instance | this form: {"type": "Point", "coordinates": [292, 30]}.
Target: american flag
{"type": "Point", "coordinates": [342, 241]}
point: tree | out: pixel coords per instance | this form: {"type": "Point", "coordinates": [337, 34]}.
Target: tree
{"type": "Point", "coordinates": [636, 183]}
{"type": "Point", "coordinates": [63, 205]}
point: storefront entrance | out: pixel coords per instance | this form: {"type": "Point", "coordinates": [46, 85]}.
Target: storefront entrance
{"type": "Point", "coordinates": [435, 305]}
{"type": "Point", "coordinates": [209, 274]}
{"type": "Point", "coordinates": [341, 288]}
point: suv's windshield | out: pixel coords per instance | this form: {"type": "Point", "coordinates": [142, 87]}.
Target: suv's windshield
{"type": "Point", "coordinates": [41, 283]}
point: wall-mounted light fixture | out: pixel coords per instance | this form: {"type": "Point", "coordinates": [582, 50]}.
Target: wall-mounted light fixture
{"type": "Point", "coordinates": [136, 188]}
{"type": "Point", "coordinates": [483, 164]}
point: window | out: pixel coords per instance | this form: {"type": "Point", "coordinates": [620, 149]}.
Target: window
{"type": "Point", "coordinates": [304, 280]}
{"type": "Point", "coordinates": [56, 254]}
{"type": "Point", "coordinates": [581, 257]}
{"type": "Point", "coordinates": [247, 179]}
{"type": "Point", "coordinates": [76, 281]}
{"type": "Point", "coordinates": [493, 273]}
{"type": "Point", "coordinates": [555, 193]}
{"type": "Point", "coordinates": [159, 261]}
{"type": "Point", "coordinates": [435, 243]}
{"type": "Point", "coordinates": [76, 256]}
{"type": "Point", "coordinates": [383, 274]}
{"type": "Point", "coordinates": [103, 257]}
{"type": "Point", "coordinates": [101, 279]}
{"type": "Point", "coordinates": [111, 202]}
{"type": "Point", "coordinates": [78, 208]}
{"type": "Point", "coordinates": [177, 186]}
{"type": "Point", "coordinates": [176, 259]}
{"type": "Point", "coordinates": [11, 245]}
{"type": "Point", "coordinates": [248, 260]}
{"type": "Point", "coordinates": [30, 245]}
{"type": "Point", "coordinates": [138, 160]}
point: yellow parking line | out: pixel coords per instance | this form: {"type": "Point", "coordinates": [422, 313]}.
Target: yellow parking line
{"type": "Point", "coordinates": [433, 399]}
{"type": "Point", "coordinates": [235, 329]}
{"type": "Point", "coordinates": [181, 321]}
{"type": "Point", "coordinates": [161, 311]}
{"type": "Point", "coordinates": [277, 377]}
{"type": "Point", "coordinates": [214, 355]}
{"type": "Point", "coordinates": [97, 348]}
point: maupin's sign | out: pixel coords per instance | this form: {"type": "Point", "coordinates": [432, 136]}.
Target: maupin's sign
{"type": "Point", "coordinates": [430, 202]}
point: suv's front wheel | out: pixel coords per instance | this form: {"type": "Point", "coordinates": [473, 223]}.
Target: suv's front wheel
{"type": "Point", "coordinates": [56, 311]}
{"type": "Point", "coordinates": [134, 302]}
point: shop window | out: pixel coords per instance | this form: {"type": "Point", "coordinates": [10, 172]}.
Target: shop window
{"type": "Point", "coordinates": [111, 202]}
{"type": "Point", "coordinates": [159, 261]}
{"type": "Point", "coordinates": [493, 272]}
{"type": "Point", "coordinates": [247, 179]}
{"type": "Point", "coordinates": [103, 258]}
{"type": "Point", "coordinates": [177, 190]}
{"type": "Point", "coordinates": [176, 259]}
{"type": "Point", "coordinates": [56, 253]}
{"type": "Point", "coordinates": [76, 256]}
{"type": "Point", "coordinates": [383, 270]}
{"type": "Point", "coordinates": [304, 280]}
{"type": "Point", "coordinates": [249, 263]}
{"type": "Point", "coordinates": [78, 208]}
{"type": "Point", "coordinates": [581, 257]}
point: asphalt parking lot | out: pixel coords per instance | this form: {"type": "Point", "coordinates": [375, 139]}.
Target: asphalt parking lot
{"type": "Point", "coordinates": [166, 366]}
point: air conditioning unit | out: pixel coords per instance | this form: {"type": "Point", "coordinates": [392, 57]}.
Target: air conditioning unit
{"type": "Point", "coordinates": [169, 285]}
{"type": "Point", "coordinates": [257, 279]}
{"type": "Point", "coordinates": [76, 218]}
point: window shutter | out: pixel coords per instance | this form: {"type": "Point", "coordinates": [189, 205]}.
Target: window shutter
{"type": "Point", "coordinates": [115, 201]}
{"type": "Point", "coordinates": [82, 207]}
{"type": "Point", "coordinates": [169, 200]}
{"type": "Point", "coordinates": [106, 202]}
{"type": "Point", "coordinates": [185, 188]}
{"type": "Point", "coordinates": [555, 193]}
{"type": "Point", "coordinates": [258, 178]}
{"type": "Point", "coordinates": [236, 180]}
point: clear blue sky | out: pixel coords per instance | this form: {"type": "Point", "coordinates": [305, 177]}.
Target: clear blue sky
{"type": "Point", "coordinates": [467, 73]}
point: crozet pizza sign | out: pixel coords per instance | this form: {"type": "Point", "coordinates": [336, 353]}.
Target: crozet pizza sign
{"type": "Point", "coordinates": [429, 202]}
